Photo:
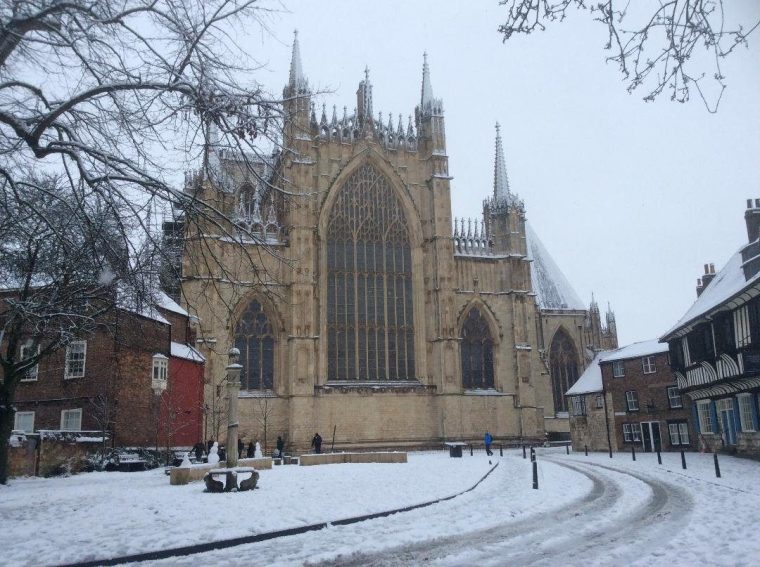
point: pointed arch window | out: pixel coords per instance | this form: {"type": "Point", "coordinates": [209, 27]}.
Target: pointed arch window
{"type": "Point", "coordinates": [254, 337]}
{"type": "Point", "coordinates": [563, 364]}
{"type": "Point", "coordinates": [369, 283]}
{"type": "Point", "coordinates": [476, 349]}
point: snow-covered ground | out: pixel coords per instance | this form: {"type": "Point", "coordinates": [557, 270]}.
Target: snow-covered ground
{"type": "Point", "coordinates": [588, 510]}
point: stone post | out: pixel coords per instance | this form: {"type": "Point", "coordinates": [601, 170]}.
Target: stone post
{"type": "Point", "coordinates": [233, 388]}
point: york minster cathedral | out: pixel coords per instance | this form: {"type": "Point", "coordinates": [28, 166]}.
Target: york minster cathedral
{"type": "Point", "coordinates": [363, 308]}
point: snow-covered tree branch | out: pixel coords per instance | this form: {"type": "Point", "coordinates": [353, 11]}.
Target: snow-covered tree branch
{"type": "Point", "coordinates": [675, 46]}
{"type": "Point", "coordinates": [103, 108]}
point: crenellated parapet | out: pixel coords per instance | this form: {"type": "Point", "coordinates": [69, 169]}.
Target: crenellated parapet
{"type": "Point", "coordinates": [471, 241]}
{"type": "Point", "coordinates": [350, 129]}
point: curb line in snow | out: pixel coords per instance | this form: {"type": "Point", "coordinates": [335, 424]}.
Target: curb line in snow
{"type": "Point", "coordinates": [226, 543]}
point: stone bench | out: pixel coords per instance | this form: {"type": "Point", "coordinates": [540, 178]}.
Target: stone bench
{"type": "Point", "coordinates": [184, 475]}
{"type": "Point", "coordinates": [337, 458]}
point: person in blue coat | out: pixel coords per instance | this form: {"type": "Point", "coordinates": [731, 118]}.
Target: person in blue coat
{"type": "Point", "coordinates": [487, 439]}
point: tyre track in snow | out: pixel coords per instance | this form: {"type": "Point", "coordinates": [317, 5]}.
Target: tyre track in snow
{"type": "Point", "coordinates": [584, 532]}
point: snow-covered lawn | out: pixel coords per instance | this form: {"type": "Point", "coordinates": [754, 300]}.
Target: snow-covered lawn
{"type": "Point", "coordinates": [588, 510]}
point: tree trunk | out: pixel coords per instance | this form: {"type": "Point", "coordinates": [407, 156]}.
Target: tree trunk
{"type": "Point", "coordinates": [7, 414]}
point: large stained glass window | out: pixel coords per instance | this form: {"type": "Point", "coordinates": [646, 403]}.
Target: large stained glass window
{"type": "Point", "coordinates": [563, 365]}
{"type": "Point", "coordinates": [369, 283]}
{"type": "Point", "coordinates": [476, 352]}
{"type": "Point", "coordinates": [255, 339]}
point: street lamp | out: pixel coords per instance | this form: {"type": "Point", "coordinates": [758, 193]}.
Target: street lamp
{"type": "Point", "coordinates": [233, 388]}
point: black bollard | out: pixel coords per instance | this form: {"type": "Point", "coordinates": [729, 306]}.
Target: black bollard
{"type": "Point", "coordinates": [532, 454]}
{"type": "Point", "coordinates": [501, 450]}
{"type": "Point", "coordinates": [717, 466]}
{"type": "Point", "coordinates": [535, 475]}
{"type": "Point", "coordinates": [633, 452]}
{"type": "Point", "coordinates": [683, 460]}
{"type": "Point", "coordinates": [471, 449]}
{"type": "Point", "coordinates": [585, 449]}
{"type": "Point", "coordinates": [659, 457]}
{"type": "Point", "coordinates": [610, 451]}
{"type": "Point", "coordinates": [523, 451]}
{"type": "Point", "coordinates": [567, 449]}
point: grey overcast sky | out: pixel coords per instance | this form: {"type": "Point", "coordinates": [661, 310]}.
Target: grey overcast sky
{"type": "Point", "coordinates": [630, 198]}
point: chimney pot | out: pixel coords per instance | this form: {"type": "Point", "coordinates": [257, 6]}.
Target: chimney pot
{"type": "Point", "coordinates": [707, 268]}
{"type": "Point", "coordinates": [757, 203]}
{"type": "Point", "coordinates": [712, 268]}
{"type": "Point", "coordinates": [749, 203]}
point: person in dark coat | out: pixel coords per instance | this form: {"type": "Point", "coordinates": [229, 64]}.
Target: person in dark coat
{"type": "Point", "coordinates": [487, 440]}
{"type": "Point", "coordinates": [241, 446]}
{"type": "Point", "coordinates": [316, 442]}
{"type": "Point", "coordinates": [209, 444]}
{"type": "Point", "coordinates": [251, 451]}
{"type": "Point", "coordinates": [280, 446]}
{"type": "Point", "coordinates": [198, 449]}
{"type": "Point", "coordinates": [222, 453]}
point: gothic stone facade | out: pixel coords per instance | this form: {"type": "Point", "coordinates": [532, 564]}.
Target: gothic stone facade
{"type": "Point", "coordinates": [367, 315]}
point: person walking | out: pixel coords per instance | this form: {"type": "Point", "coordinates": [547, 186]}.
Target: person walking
{"type": "Point", "coordinates": [241, 446]}
{"type": "Point", "coordinates": [487, 440]}
{"type": "Point", "coordinates": [280, 446]}
{"type": "Point", "coordinates": [316, 442]}
{"type": "Point", "coordinates": [251, 450]}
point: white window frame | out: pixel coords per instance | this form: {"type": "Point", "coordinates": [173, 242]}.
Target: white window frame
{"type": "Point", "coordinates": [686, 353]}
{"type": "Point", "coordinates": [159, 371]}
{"type": "Point", "coordinates": [70, 361]}
{"type": "Point", "coordinates": [31, 374]}
{"type": "Point", "coordinates": [632, 400]}
{"type": "Point", "coordinates": [679, 434]}
{"type": "Point", "coordinates": [599, 402]}
{"type": "Point", "coordinates": [705, 419]}
{"type": "Point", "coordinates": [742, 336]}
{"type": "Point", "coordinates": [672, 398]}
{"type": "Point", "coordinates": [648, 364]}
{"type": "Point", "coordinates": [579, 405]}
{"type": "Point", "coordinates": [23, 414]}
{"type": "Point", "coordinates": [618, 368]}
{"type": "Point", "coordinates": [67, 415]}
{"type": "Point", "coordinates": [627, 434]}
{"type": "Point", "coordinates": [745, 411]}
{"type": "Point", "coordinates": [632, 432]}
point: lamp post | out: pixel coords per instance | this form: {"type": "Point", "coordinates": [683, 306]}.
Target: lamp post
{"type": "Point", "coordinates": [233, 388]}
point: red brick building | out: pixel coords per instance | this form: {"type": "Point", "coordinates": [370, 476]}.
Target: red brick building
{"type": "Point", "coordinates": [136, 378]}
{"type": "Point", "coordinates": [632, 400]}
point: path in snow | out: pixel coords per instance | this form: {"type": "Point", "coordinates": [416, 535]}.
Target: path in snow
{"type": "Point", "coordinates": [582, 533]}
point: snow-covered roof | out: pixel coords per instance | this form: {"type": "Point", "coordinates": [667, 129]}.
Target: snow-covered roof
{"type": "Point", "coordinates": [166, 302]}
{"type": "Point", "coordinates": [727, 283]}
{"type": "Point", "coordinates": [186, 352]}
{"type": "Point", "coordinates": [636, 350]}
{"type": "Point", "coordinates": [590, 380]}
{"type": "Point", "coordinates": [552, 289]}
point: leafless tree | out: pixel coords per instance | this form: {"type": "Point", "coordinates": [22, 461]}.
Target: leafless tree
{"type": "Point", "coordinates": [263, 414]}
{"type": "Point", "coordinates": [669, 45]}
{"type": "Point", "coordinates": [103, 105]}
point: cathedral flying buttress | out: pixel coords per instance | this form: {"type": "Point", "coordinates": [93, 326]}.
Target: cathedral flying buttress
{"type": "Point", "coordinates": [368, 309]}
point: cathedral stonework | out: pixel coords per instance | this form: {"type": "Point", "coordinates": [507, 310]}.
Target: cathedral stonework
{"type": "Point", "coordinates": [363, 308]}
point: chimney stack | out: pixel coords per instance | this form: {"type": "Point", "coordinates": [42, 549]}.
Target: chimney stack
{"type": "Point", "coordinates": [752, 218]}
{"type": "Point", "coordinates": [706, 278]}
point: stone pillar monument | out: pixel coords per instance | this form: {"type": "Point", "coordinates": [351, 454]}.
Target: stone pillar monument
{"type": "Point", "coordinates": [233, 388]}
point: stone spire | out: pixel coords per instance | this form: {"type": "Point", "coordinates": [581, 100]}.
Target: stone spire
{"type": "Point", "coordinates": [428, 104]}
{"type": "Point", "coordinates": [297, 83]}
{"type": "Point", "coordinates": [364, 98]}
{"type": "Point", "coordinates": [500, 179]}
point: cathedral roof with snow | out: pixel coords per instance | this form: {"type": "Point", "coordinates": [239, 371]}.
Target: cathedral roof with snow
{"type": "Point", "coordinates": [552, 289]}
